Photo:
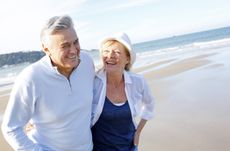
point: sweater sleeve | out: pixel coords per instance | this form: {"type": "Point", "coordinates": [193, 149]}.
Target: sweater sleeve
{"type": "Point", "coordinates": [16, 116]}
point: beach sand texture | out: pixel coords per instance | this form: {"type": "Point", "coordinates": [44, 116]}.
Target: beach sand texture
{"type": "Point", "coordinates": [192, 103]}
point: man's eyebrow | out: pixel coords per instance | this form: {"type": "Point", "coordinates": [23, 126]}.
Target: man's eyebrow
{"type": "Point", "coordinates": [64, 43]}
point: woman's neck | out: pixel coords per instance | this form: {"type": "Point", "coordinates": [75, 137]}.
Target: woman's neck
{"type": "Point", "coordinates": [114, 79]}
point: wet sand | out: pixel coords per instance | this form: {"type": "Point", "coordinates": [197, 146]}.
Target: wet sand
{"type": "Point", "coordinates": [192, 103]}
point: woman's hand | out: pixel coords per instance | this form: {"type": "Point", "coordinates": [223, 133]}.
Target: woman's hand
{"type": "Point", "coordinates": [138, 131]}
{"type": "Point", "coordinates": [136, 138]}
{"type": "Point", "coordinates": [28, 127]}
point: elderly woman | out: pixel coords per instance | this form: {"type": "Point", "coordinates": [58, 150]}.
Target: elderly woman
{"type": "Point", "coordinates": [119, 97]}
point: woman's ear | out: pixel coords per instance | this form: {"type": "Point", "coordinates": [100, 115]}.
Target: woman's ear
{"type": "Point", "coordinates": [128, 60]}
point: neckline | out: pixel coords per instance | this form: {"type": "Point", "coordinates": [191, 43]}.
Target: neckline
{"type": "Point", "coordinates": [117, 104]}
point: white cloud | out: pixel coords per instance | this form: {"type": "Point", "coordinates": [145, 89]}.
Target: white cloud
{"type": "Point", "coordinates": [22, 20]}
{"type": "Point", "coordinates": [134, 3]}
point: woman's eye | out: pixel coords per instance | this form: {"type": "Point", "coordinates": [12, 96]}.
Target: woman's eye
{"type": "Point", "coordinates": [105, 51]}
{"type": "Point", "coordinates": [117, 52]}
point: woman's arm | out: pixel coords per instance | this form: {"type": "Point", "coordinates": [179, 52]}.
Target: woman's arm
{"type": "Point", "coordinates": [138, 131]}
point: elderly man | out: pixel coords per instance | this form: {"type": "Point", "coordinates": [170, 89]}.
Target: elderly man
{"type": "Point", "coordinates": [54, 94]}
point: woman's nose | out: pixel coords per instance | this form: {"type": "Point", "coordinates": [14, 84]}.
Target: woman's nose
{"type": "Point", "coordinates": [111, 54]}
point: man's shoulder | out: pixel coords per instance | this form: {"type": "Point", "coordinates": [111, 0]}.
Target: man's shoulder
{"type": "Point", "coordinates": [86, 59]}
{"type": "Point", "coordinates": [32, 69]}
{"type": "Point", "coordinates": [85, 55]}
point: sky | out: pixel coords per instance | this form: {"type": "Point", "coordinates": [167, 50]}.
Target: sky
{"type": "Point", "coordinates": [143, 20]}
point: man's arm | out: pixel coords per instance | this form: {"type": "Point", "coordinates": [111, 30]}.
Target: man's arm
{"type": "Point", "coordinates": [17, 114]}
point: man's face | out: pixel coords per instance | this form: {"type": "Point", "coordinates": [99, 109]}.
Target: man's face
{"type": "Point", "coordinates": [63, 48]}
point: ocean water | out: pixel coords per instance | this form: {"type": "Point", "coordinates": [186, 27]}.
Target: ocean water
{"type": "Point", "coordinates": [148, 52]}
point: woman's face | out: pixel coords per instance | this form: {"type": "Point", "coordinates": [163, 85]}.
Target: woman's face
{"type": "Point", "coordinates": [114, 57]}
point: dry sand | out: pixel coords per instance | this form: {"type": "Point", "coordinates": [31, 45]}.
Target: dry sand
{"type": "Point", "coordinates": [3, 144]}
{"type": "Point", "coordinates": [192, 103]}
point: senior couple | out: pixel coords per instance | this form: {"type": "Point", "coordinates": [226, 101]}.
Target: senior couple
{"type": "Point", "coordinates": [70, 107]}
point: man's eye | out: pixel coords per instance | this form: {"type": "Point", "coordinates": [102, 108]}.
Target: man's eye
{"type": "Point", "coordinates": [65, 46]}
{"type": "Point", "coordinates": [76, 42]}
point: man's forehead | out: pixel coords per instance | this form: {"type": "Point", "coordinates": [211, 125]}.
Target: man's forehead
{"type": "Point", "coordinates": [62, 35]}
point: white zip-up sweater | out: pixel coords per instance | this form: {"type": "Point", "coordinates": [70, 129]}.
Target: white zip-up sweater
{"type": "Point", "coordinates": [59, 108]}
{"type": "Point", "coordinates": [138, 93]}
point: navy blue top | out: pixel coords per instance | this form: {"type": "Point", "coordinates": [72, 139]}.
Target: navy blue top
{"type": "Point", "coordinates": [114, 130]}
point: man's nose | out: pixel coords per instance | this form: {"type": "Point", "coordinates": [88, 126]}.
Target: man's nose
{"type": "Point", "coordinates": [74, 48]}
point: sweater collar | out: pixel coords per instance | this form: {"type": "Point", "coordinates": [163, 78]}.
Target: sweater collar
{"type": "Point", "coordinates": [48, 61]}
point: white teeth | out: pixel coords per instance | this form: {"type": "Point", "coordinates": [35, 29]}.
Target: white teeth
{"type": "Point", "coordinates": [110, 62]}
{"type": "Point", "coordinates": [73, 57]}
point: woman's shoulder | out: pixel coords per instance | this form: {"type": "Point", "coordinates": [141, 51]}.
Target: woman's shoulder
{"type": "Point", "coordinates": [135, 76]}
{"type": "Point", "coordinates": [136, 79]}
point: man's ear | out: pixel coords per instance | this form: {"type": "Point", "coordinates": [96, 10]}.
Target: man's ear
{"type": "Point", "coordinates": [45, 49]}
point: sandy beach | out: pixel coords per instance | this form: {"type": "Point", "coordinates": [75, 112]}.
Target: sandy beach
{"type": "Point", "coordinates": [3, 103]}
{"type": "Point", "coordinates": [192, 103]}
